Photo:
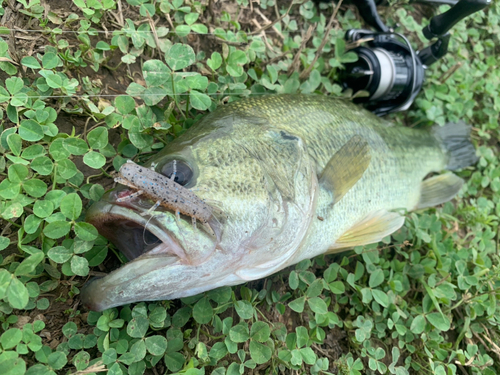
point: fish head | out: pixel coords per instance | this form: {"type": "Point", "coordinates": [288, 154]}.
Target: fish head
{"type": "Point", "coordinates": [260, 187]}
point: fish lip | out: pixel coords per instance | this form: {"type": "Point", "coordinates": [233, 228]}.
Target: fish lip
{"type": "Point", "coordinates": [87, 297]}
{"type": "Point", "coordinates": [170, 269]}
{"type": "Point", "coordinates": [125, 227]}
{"type": "Point", "coordinates": [111, 220]}
{"type": "Point", "coordinates": [101, 293]}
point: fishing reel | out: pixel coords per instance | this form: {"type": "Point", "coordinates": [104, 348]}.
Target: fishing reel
{"type": "Point", "coordinates": [387, 67]}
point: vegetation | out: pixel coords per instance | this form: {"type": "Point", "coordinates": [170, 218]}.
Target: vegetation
{"type": "Point", "coordinates": [93, 83]}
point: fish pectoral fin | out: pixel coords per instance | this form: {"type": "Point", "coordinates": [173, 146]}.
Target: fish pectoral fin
{"type": "Point", "coordinates": [439, 189]}
{"type": "Point", "coordinates": [346, 167]}
{"type": "Point", "coordinates": [369, 230]}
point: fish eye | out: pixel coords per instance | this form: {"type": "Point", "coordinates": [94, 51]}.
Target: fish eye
{"type": "Point", "coordinates": [183, 172]}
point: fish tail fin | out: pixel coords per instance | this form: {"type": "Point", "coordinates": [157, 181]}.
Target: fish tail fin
{"type": "Point", "coordinates": [455, 138]}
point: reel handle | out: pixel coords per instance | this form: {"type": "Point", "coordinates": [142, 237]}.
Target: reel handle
{"type": "Point", "coordinates": [441, 23]}
{"type": "Point", "coordinates": [368, 10]}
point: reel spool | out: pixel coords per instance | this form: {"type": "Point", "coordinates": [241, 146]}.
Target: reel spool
{"type": "Point", "coordinates": [388, 69]}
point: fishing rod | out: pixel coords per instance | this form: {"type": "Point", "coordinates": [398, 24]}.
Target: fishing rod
{"type": "Point", "coordinates": [388, 68]}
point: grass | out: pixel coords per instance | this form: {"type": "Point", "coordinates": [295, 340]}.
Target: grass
{"type": "Point", "coordinates": [100, 82]}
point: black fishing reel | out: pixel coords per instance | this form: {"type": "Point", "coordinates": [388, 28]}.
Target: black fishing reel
{"type": "Point", "coordinates": [388, 68]}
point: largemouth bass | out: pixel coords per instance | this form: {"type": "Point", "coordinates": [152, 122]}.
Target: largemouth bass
{"type": "Point", "coordinates": [279, 179]}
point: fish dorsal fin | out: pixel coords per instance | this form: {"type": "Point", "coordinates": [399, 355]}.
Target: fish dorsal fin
{"type": "Point", "coordinates": [439, 189]}
{"type": "Point", "coordinates": [369, 230]}
{"type": "Point", "coordinates": [346, 167]}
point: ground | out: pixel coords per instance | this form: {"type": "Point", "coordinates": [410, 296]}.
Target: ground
{"type": "Point", "coordinates": [424, 301]}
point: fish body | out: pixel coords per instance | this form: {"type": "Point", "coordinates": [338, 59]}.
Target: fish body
{"type": "Point", "coordinates": [284, 178]}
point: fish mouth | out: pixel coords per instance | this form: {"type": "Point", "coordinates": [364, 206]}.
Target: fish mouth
{"type": "Point", "coordinates": [156, 255]}
{"type": "Point", "coordinates": [133, 234]}
{"type": "Point", "coordinates": [169, 258]}
{"type": "Point", "coordinates": [130, 237]}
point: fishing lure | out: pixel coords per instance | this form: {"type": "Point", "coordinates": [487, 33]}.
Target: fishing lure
{"type": "Point", "coordinates": [164, 191]}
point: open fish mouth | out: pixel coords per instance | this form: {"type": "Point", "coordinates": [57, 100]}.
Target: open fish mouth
{"type": "Point", "coordinates": [133, 234]}
{"type": "Point", "coordinates": [167, 254]}
{"type": "Point", "coordinates": [130, 237]}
